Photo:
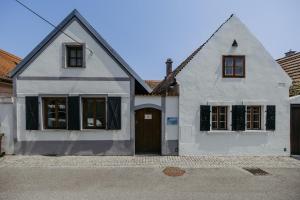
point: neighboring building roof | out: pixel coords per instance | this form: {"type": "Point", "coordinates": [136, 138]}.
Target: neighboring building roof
{"type": "Point", "coordinates": [291, 65]}
{"type": "Point", "coordinates": [75, 14]}
{"type": "Point", "coordinates": [164, 85]}
{"type": "Point", "coordinates": [8, 62]}
{"type": "Point", "coordinates": [152, 83]}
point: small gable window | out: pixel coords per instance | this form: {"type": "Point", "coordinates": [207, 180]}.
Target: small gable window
{"type": "Point", "coordinates": [233, 66]}
{"type": "Point", "coordinates": [74, 56]}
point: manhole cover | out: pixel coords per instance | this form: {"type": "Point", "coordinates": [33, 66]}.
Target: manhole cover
{"type": "Point", "coordinates": [256, 171]}
{"type": "Point", "coordinates": [173, 171]}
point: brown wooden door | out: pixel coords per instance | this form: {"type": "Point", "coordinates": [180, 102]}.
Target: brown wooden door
{"type": "Point", "coordinates": [295, 129]}
{"type": "Point", "coordinates": [148, 131]}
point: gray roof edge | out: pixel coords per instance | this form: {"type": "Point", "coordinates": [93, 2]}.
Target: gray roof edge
{"type": "Point", "coordinates": [56, 30]}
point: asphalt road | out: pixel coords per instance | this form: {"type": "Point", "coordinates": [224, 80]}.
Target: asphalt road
{"type": "Point", "coordinates": [146, 183]}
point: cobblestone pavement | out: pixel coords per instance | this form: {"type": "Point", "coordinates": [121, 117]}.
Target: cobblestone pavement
{"type": "Point", "coordinates": [150, 161]}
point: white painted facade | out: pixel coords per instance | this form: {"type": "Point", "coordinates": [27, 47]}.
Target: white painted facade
{"type": "Point", "coordinates": [201, 83]}
{"type": "Point", "coordinates": [6, 124]}
{"type": "Point", "coordinates": [49, 64]}
{"type": "Point", "coordinates": [172, 109]}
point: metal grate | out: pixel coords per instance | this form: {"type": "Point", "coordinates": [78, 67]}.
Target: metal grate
{"type": "Point", "coordinates": [173, 171]}
{"type": "Point", "coordinates": [256, 171]}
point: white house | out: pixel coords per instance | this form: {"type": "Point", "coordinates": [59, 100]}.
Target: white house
{"type": "Point", "coordinates": [233, 97]}
{"type": "Point", "coordinates": [74, 95]}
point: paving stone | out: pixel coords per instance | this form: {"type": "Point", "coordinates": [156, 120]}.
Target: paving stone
{"type": "Point", "coordinates": [151, 161]}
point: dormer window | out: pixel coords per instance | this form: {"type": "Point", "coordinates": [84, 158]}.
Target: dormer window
{"type": "Point", "coordinates": [233, 66]}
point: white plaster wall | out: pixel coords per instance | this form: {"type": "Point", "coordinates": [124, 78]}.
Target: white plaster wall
{"type": "Point", "coordinates": [35, 87]}
{"type": "Point", "coordinates": [6, 124]}
{"type": "Point", "coordinates": [201, 83]}
{"type": "Point", "coordinates": [171, 111]}
{"type": "Point", "coordinates": [98, 64]}
{"type": "Point", "coordinates": [140, 100]}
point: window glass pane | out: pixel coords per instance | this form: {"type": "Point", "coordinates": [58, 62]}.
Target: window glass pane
{"type": "Point", "coordinates": [61, 115]}
{"type": "Point", "coordinates": [222, 125]}
{"type": "Point", "coordinates": [72, 53]}
{"type": "Point", "coordinates": [228, 61]}
{"type": "Point", "coordinates": [214, 125]}
{"type": "Point", "coordinates": [239, 62]}
{"type": "Point", "coordinates": [100, 113]}
{"type": "Point", "coordinates": [79, 53]}
{"type": "Point", "coordinates": [79, 62]}
{"type": "Point", "coordinates": [72, 61]}
{"type": "Point", "coordinates": [239, 71]}
{"type": "Point", "coordinates": [228, 70]}
{"type": "Point", "coordinates": [90, 113]}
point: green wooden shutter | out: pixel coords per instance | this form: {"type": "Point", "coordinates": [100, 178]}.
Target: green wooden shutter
{"type": "Point", "coordinates": [73, 113]}
{"type": "Point", "coordinates": [32, 112]}
{"type": "Point", "coordinates": [204, 118]}
{"type": "Point", "coordinates": [238, 117]}
{"type": "Point", "coordinates": [114, 113]}
{"type": "Point", "coordinates": [271, 117]}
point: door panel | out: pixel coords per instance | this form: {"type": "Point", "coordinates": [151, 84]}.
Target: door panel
{"type": "Point", "coordinates": [148, 131]}
{"type": "Point", "coordinates": [295, 130]}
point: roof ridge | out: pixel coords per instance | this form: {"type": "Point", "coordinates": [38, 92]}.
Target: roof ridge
{"type": "Point", "coordinates": [98, 38]}
{"type": "Point", "coordinates": [189, 58]}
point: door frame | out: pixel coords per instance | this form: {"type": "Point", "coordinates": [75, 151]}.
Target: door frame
{"type": "Point", "coordinates": [162, 127]}
{"type": "Point", "coordinates": [291, 107]}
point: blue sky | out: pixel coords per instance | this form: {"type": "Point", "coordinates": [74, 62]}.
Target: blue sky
{"type": "Point", "coordinates": [146, 32]}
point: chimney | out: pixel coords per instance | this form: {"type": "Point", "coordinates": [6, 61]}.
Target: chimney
{"type": "Point", "coordinates": [289, 53]}
{"type": "Point", "coordinates": [168, 66]}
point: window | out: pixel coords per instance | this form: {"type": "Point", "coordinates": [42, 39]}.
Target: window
{"type": "Point", "coordinates": [234, 66]}
{"type": "Point", "coordinates": [219, 117]}
{"type": "Point", "coordinates": [94, 113]}
{"type": "Point", "coordinates": [74, 56]}
{"type": "Point", "coordinates": [55, 113]}
{"type": "Point", "coordinates": [253, 117]}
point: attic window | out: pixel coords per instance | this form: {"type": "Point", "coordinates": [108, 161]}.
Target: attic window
{"type": "Point", "coordinates": [74, 55]}
{"type": "Point", "coordinates": [233, 66]}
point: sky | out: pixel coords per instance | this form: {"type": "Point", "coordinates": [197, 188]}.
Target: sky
{"type": "Point", "coordinates": [147, 32]}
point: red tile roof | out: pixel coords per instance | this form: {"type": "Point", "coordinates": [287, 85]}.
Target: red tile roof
{"type": "Point", "coordinates": [152, 83]}
{"type": "Point", "coordinates": [8, 62]}
{"type": "Point", "coordinates": [291, 65]}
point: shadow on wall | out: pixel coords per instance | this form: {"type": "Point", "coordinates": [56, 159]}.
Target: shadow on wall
{"type": "Point", "coordinates": [88, 147]}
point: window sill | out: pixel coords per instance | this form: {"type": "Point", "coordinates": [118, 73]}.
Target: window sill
{"type": "Point", "coordinates": [246, 132]}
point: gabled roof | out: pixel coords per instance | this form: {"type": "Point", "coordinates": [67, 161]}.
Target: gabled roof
{"type": "Point", "coordinates": [291, 65]}
{"type": "Point", "coordinates": [8, 62]}
{"type": "Point", "coordinates": [170, 78]}
{"type": "Point", "coordinates": [75, 14]}
{"type": "Point", "coordinates": [152, 83]}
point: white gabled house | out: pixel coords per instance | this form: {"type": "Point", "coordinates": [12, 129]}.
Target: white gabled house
{"type": "Point", "coordinates": [74, 95]}
{"type": "Point", "coordinates": [233, 97]}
